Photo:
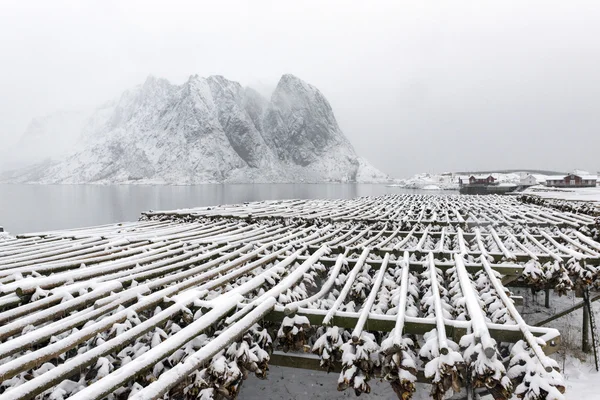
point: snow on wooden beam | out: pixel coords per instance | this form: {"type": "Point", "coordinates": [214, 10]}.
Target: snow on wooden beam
{"type": "Point", "coordinates": [531, 340]}
{"type": "Point", "coordinates": [478, 324]}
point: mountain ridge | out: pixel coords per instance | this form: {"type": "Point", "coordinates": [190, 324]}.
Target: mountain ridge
{"type": "Point", "coordinates": [208, 130]}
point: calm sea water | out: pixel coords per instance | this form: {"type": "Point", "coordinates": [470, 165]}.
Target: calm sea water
{"type": "Point", "coordinates": [33, 208]}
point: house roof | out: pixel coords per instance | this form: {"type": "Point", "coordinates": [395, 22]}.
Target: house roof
{"type": "Point", "coordinates": [562, 177]}
{"type": "Point", "coordinates": [555, 177]}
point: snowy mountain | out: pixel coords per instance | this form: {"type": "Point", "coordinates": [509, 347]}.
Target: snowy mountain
{"type": "Point", "coordinates": [208, 130]}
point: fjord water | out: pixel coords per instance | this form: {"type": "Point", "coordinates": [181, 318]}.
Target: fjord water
{"type": "Point", "coordinates": [34, 208]}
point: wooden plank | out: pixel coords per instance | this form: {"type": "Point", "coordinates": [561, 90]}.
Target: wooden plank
{"type": "Point", "coordinates": [417, 326]}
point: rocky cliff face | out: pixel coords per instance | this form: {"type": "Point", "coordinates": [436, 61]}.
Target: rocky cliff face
{"type": "Point", "coordinates": [208, 130]}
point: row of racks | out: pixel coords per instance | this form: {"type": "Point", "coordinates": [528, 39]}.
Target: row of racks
{"type": "Point", "coordinates": [189, 308]}
{"type": "Point", "coordinates": [411, 209]}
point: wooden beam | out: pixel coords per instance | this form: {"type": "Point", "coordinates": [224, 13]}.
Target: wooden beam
{"type": "Point", "coordinates": [564, 312]}
{"type": "Point", "coordinates": [387, 323]}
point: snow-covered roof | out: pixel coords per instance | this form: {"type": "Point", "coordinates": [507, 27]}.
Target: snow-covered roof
{"type": "Point", "coordinates": [561, 177]}
{"type": "Point", "coordinates": [529, 178]}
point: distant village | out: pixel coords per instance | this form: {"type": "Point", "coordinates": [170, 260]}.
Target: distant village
{"type": "Point", "coordinates": [571, 180]}
{"type": "Point", "coordinates": [476, 184]}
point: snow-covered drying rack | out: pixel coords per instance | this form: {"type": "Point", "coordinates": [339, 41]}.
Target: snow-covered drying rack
{"type": "Point", "coordinates": [186, 303]}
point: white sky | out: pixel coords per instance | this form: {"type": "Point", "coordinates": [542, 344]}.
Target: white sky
{"type": "Point", "coordinates": [417, 86]}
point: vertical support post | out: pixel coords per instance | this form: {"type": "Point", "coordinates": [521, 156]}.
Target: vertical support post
{"type": "Point", "coordinates": [585, 329]}
{"type": "Point", "coordinates": [594, 339]}
{"type": "Point", "coordinates": [470, 393]}
{"type": "Point", "coordinates": [468, 386]}
{"type": "Point", "coordinates": [592, 322]}
{"type": "Point", "coordinates": [547, 300]}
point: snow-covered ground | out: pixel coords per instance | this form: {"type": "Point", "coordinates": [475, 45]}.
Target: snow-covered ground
{"type": "Point", "coordinates": [581, 379]}
{"type": "Point", "coordinates": [574, 194]}
{"type": "Point", "coordinates": [292, 383]}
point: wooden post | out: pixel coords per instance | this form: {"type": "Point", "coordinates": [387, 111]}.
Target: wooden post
{"type": "Point", "coordinates": [469, 387]}
{"type": "Point", "coordinates": [547, 300]}
{"type": "Point", "coordinates": [592, 323]}
{"type": "Point", "coordinates": [585, 331]}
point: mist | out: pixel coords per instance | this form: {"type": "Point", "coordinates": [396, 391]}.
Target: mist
{"type": "Point", "coordinates": [415, 87]}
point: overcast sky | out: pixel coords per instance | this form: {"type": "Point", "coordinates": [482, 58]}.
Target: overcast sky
{"type": "Point", "coordinates": [417, 86]}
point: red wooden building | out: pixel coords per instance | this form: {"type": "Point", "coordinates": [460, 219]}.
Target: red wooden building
{"type": "Point", "coordinates": [572, 180]}
{"type": "Point", "coordinates": [477, 180]}
{"type": "Point", "coordinates": [481, 180]}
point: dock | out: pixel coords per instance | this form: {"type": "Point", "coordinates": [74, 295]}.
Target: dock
{"type": "Point", "coordinates": [186, 303]}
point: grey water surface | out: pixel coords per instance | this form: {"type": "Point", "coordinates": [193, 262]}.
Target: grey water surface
{"type": "Point", "coordinates": [34, 208]}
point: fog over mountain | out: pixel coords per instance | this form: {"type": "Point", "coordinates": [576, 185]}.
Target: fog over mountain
{"type": "Point", "coordinates": [208, 130]}
{"type": "Point", "coordinates": [416, 86]}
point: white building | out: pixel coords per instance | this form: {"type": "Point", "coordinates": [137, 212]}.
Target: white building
{"type": "Point", "coordinates": [528, 180]}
